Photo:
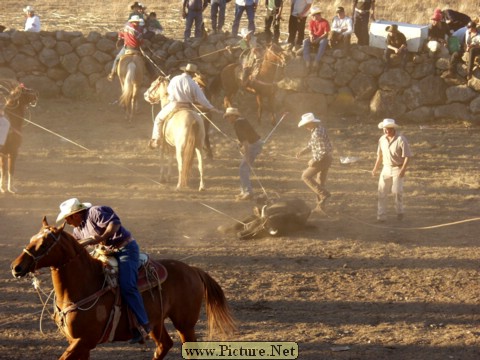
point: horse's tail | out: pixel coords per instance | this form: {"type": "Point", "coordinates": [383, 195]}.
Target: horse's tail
{"type": "Point", "coordinates": [189, 149]}
{"type": "Point", "coordinates": [219, 315]}
{"type": "Point", "coordinates": [128, 85]}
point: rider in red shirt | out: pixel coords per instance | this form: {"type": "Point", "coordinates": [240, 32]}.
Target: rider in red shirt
{"type": "Point", "coordinates": [132, 36]}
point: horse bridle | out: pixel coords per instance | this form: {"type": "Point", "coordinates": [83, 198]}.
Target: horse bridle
{"type": "Point", "coordinates": [38, 257]}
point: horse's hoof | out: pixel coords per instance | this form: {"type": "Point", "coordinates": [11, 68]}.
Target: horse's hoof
{"type": "Point", "coordinates": [202, 188]}
{"type": "Point", "coordinates": [12, 190]}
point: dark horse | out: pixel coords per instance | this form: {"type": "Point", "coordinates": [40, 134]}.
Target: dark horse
{"type": "Point", "coordinates": [263, 85]}
{"type": "Point", "coordinates": [84, 302]}
{"type": "Point", "coordinates": [18, 99]}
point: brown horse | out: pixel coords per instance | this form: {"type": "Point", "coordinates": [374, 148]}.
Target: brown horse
{"type": "Point", "coordinates": [18, 99]}
{"type": "Point", "coordinates": [84, 303]}
{"type": "Point", "coordinates": [263, 86]}
{"type": "Point", "coordinates": [184, 131]}
{"type": "Point", "coordinates": [131, 68]}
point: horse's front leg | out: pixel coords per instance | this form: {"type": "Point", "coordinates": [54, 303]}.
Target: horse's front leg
{"type": "Point", "coordinates": [181, 181]}
{"type": "Point", "coordinates": [271, 104]}
{"type": "Point", "coordinates": [12, 158]}
{"type": "Point", "coordinates": [78, 350]}
{"type": "Point", "coordinates": [259, 108]}
{"type": "Point", "coordinates": [3, 170]}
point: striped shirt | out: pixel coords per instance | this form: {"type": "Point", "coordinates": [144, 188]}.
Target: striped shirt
{"type": "Point", "coordinates": [319, 143]}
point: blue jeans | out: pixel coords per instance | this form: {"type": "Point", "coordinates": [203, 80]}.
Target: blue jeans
{"type": "Point", "coordinates": [193, 15]}
{"type": "Point", "coordinates": [218, 9]}
{"type": "Point", "coordinates": [322, 45]}
{"type": "Point", "coordinates": [128, 262]}
{"type": "Point", "coordinates": [238, 15]}
{"type": "Point", "coordinates": [246, 164]}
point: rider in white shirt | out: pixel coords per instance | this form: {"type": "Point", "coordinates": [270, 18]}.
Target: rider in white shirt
{"type": "Point", "coordinates": [182, 89]}
{"type": "Point", "coordinates": [32, 24]}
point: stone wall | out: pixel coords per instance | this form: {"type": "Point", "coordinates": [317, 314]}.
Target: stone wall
{"type": "Point", "coordinates": [75, 66]}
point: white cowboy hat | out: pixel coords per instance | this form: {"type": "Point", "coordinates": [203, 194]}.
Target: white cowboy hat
{"type": "Point", "coordinates": [70, 207]}
{"type": "Point", "coordinates": [308, 118]}
{"type": "Point", "coordinates": [134, 18]}
{"type": "Point", "coordinates": [231, 111]}
{"type": "Point", "coordinates": [28, 9]}
{"type": "Point", "coordinates": [387, 123]}
{"type": "Point", "coordinates": [315, 10]}
{"type": "Point", "coordinates": [189, 68]}
{"type": "Point", "coordinates": [244, 32]}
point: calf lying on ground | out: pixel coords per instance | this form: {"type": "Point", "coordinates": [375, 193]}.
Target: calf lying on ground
{"type": "Point", "coordinates": [276, 219]}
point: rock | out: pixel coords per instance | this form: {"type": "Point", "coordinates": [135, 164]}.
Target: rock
{"type": "Point", "coordinates": [346, 70]}
{"type": "Point", "coordinates": [24, 63]}
{"type": "Point", "coordinates": [295, 68]}
{"type": "Point", "coordinates": [45, 86]}
{"type": "Point", "coordinates": [423, 113]}
{"type": "Point", "coordinates": [456, 111]}
{"type": "Point", "coordinates": [387, 103]}
{"type": "Point", "coordinates": [460, 93]}
{"type": "Point", "coordinates": [89, 65]}
{"type": "Point", "coordinates": [475, 105]}
{"type": "Point", "coordinates": [428, 91]}
{"type": "Point", "coordinates": [363, 86]}
{"type": "Point", "coordinates": [7, 73]}
{"type": "Point", "coordinates": [372, 67]}
{"type": "Point", "coordinates": [394, 79]}
{"type": "Point", "coordinates": [87, 49]}
{"type": "Point", "coordinates": [208, 52]}
{"type": "Point", "coordinates": [175, 47]}
{"type": "Point", "coordinates": [63, 48]}
{"type": "Point", "coordinates": [320, 86]}
{"type": "Point", "coordinates": [49, 57]}
{"type": "Point", "coordinates": [76, 87]}
{"type": "Point", "coordinates": [70, 62]}
{"type": "Point", "coordinates": [294, 84]}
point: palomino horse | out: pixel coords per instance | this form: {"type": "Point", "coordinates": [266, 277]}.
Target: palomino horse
{"type": "Point", "coordinates": [184, 131]}
{"type": "Point", "coordinates": [84, 300]}
{"type": "Point", "coordinates": [263, 87]}
{"type": "Point", "coordinates": [131, 68]}
{"type": "Point", "coordinates": [18, 99]}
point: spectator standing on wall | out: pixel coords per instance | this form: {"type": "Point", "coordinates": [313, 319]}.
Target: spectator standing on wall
{"type": "Point", "coordinates": [241, 6]}
{"type": "Point", "coordinates": [217, 14]}
{"type": "Point", "coordinates": [32, 24]}
{"type": "Point", "coordinates": [192, 11]}
{"type": "Point", "coordinates": [363, 10]}
{"type": "Point", "coordinates": [272, 18]}
{"type": "Point", "coordinates": [296, 22]}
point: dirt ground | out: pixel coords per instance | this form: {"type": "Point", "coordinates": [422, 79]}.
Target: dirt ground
{"type": "Point", "coordinates": [403, 290]}
{"type": "Point", "coordinates": [343, 288]}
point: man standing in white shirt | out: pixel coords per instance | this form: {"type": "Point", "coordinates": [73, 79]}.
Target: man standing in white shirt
{"type": "Point", "coordinates": [341, 30]}
{"type": "Point", "coordinates": [32, 24]}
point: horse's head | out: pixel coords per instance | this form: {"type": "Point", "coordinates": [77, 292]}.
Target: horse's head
{"type": "Point", "coordinates": [41, 251]}
{"type": "Point", "coordinates": [275, 55]}
{"type": "Point", "coordinates": [17, 95]}
{"type": "Point", "coordinates": [157, 92]}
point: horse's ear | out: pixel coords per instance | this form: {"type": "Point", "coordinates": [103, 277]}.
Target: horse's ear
{"type": "Point", "coordinates": [44, 221]}
{"type": "Point", "coordinates": [61, 227]}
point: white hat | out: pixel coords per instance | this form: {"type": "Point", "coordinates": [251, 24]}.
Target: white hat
{"type": "Point", "coordinates": [28, 9]}
{"type": "Point", "coordinates": [315, 10]}
{"type": "Point", "coordinates": [244, 32]}
{"type": "Point", "coordinates": [231, 111]}
{"type": "Point", "coordinates": [308, 118]}
{"type": "Point", "coordinates": [189, 67]}
{"type": "Point", "coordinates": [134, 18]}
{"type": "Point", "coordinates": [387, 123]}
{"type": "Point", "coordinates": [70, 207]}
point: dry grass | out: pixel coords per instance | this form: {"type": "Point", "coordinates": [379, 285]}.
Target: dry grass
{"type": "Point", "coordinates": [109, 15]}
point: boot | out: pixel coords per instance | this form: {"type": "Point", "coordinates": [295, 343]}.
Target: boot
{"type": "Point", "coordinates": [140, 334]}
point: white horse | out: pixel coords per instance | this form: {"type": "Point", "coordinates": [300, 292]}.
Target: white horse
{"type": "Point", "coordinates": [130, 72]}
{"type": "Point", "coordinates": [184, 131]}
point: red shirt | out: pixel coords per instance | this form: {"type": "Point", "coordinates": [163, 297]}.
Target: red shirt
{"type": "Point", "coordinates": [318, 28]}
{"type": "Point", "coordinates": [132, 36]}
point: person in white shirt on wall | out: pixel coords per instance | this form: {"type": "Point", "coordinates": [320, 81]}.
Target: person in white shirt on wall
{"type": "Point", "coordinates": [341, 30]}
{"type": "Point", "coordinates": [32, 24]}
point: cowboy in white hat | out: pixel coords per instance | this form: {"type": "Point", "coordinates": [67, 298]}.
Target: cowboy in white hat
{"type": "Point", "coordinates": [102, 225]}
{"type": "Point", "coordinates": [251, 147]}
{"type": "Point", "coordinates": [32, 24]}
{"type": "Point", "coordinates": [132, 36]}
{"type": "Point", "coordinates": [315, 175]}
{"type": "Point", "coordinates": [394, 152]}
{"type": "Point", "coordinates": [182, 89]}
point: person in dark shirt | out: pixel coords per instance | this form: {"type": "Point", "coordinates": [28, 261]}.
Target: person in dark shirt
{"type": "Point", "coordinates": [251, 147]}
{"type": "Point", "coordinates": [396, 44]}
{"type": "Point", "coordinates": [437, 36]}
{"type": "Point", "coordinates": [363, 10]}
{"type": "Point", "coordinates": [101, 225]}
{"type": "Point", "coordinates": [455, 19]}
